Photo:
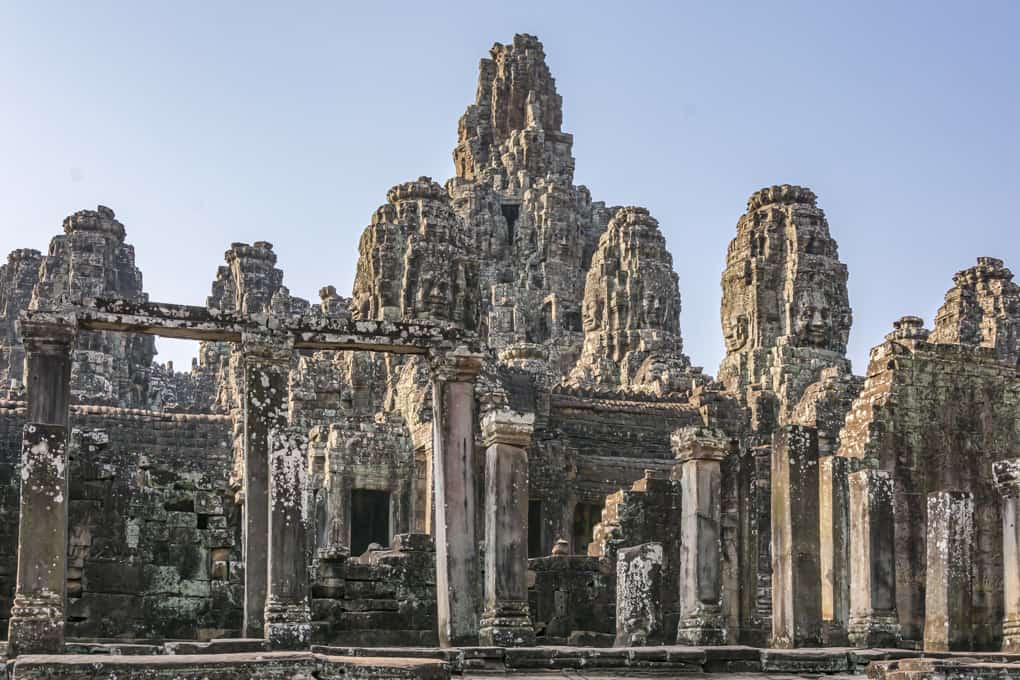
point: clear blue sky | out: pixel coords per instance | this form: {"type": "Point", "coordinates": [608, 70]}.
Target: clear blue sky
{"type": "Point", "coordinates": [206, 123]}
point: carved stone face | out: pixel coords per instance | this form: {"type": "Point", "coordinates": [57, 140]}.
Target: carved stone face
{"type": "Point", "coordinates": [812, 320]}
{"type": "Point", "coordinates": [735, 331]}
{"type": "Point", "coordinates": [591, 313]}
{"type": "Point", "coordinates": [664, 372]}
{"type": "Point", "coordinates": [434, 298]}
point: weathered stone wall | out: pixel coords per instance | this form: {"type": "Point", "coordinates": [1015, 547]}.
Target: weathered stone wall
{"type": "Point", "coordinates": [154, 536]}
{"type": "Point", "coordinates": [386, 597]}
{"type": "Point", "coordinates": [935, 416]}
{"type": "Point", "coordinates": [572, 595]}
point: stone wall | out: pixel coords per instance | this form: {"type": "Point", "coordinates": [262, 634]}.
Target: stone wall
{"type": "Point", "coordinates": [385, 597]}
{"type": "Point", "coordinates": [936, 416]}
{"type": "Point", "coordinates": [154, 535]}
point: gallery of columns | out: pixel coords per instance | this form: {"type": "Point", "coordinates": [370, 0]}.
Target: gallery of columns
{"type": "Point", "coordinates": [487, 603]}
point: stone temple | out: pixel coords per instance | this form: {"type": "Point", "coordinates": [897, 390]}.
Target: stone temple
{"type": "Point", "coordinates": [495, 457]}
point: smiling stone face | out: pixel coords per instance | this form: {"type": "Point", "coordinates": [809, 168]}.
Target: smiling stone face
{"type": "Point", "coordinates": [735, 331]}
{"type": "Point", "coordinates": [811, 320]}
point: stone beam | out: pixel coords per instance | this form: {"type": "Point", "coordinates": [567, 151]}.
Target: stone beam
{"type": "Point", "coordinates": [307, 332]}
{"type": "Point", "coordinates": [453, 401]}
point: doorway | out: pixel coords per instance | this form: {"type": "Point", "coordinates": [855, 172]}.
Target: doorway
{"type": "Point", "coordinates": [370, 519]}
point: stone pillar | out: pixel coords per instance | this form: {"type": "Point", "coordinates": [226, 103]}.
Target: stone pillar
{"type": "Point", "coordinates": [37, 615]}
{"type": "Point", "coordinates": [48, 344]}
{"type": "Point", "coordinates": [266, 359]}
{"type": "Point", "coordinates": [796, 570]}
{"type": "Point", "coordinates": [834, 556]}
{"type": "Point", "coordinates": [457, 592]}
{"type": "Point", "coordinates": [287, 615]}
{"type": "Point", "coordinates": [948, 600]}
{"type": "Point", "coordinates": [638, 595]}
{"type": "Point", "coordinates": [699, 452]}
{"type": "Point", "coordinates": [873, 619]}
{"type": "Point", "coordinates": [1007, 478]}
{"type": "Point", "coordinates": [506, 620]}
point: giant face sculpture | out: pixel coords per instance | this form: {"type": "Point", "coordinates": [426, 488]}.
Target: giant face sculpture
{"type": "Point", "coordinates": [735, 331]}
{"type": "Point", "coordinates": [434, 296]}
{"type": "Point", "coordinates": [811, 320]}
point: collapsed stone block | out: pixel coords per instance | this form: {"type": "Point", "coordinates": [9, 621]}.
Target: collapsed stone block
{"type": "Point", "coordinates": [638, 588]}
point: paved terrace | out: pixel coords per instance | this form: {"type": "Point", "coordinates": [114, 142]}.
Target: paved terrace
{"type": "Point", "coordinates": [250, 658]}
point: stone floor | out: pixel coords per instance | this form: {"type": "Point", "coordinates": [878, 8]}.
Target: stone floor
{"type": "Point", "coordinates": [247, 658]}
{"type": "Point", "coordinates": [611, 675]}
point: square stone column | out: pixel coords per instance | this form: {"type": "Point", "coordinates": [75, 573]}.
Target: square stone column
{"type": "Point", "coordinates": [453, 448]}
{"type": "Point", "coordinates": [506, 620]}
{"type": "Point", "coordinates": [639, 595]}
{"type": "Point", "coordinates": [1007, 478]}
{"type": "Point", "coordinates": [38, 612]}
{"type": "Point", "coordinates": [37, 616]}
{"type": "Point", "coordinates": [873, 619]}
{"type": "Point", "coordinates": [48, 344]}
{"type": "Point", "coordinates": [699, 452]}
{"type": "Point", "coordinates": [287, 614]}
{"type": "Point", "coordinates": [266, 358]}
{"type": "Point", "coordinates": [948, 596]}
{"type": "Point", "coordinates": [796, 567]}
{"type": "Point", "coordinates": [834, 557]}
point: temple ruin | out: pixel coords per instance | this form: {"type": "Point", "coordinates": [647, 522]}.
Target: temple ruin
{"type": "Point", "coordinates": [495, 455]}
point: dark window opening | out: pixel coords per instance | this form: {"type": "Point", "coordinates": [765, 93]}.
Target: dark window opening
{"type": "Point", "coordinates": [370, 519]}
{"type": "Point", "coordinates": [586, 516]}
{"type": "Point", "coordinates": [535, 529]}
{"type": "Point", "coordinates": [510, 213]}
{"type": "Point", "coordinates": [572, 321]}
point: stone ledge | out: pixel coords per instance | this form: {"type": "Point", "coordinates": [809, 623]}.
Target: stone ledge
{"type": "Point", "coordinates": [225, 666]}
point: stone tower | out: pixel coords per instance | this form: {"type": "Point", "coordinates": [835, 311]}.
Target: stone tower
{"type": "Point", "coordinates": [785, 310]}
{"type": "Point", "coordinates": [983, 309]}
{"type": "Point", "coordinates": [532, 229]}
{"type": "Point", "coordinates": [17, 279]}
{"type": "Point", "coordinates": [413, 260]}
{"type": "Point", "coordinates": [91, 260]}
{"type": "Point", "coordinates": [631, 310]}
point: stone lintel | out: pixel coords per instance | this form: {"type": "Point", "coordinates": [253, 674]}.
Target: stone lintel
{"type": "Point", "coordinates": [508, 427]}
{"type": "Point", "coordinates": [413, 336]}
{"type": "Point", "coordinates": [699, 443]}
